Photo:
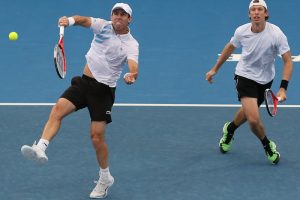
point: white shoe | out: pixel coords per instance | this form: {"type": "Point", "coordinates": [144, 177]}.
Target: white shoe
{"type": "Point", "coordinates": [101, 189]}
{"type": "Point", "coordinates": [34, 153]}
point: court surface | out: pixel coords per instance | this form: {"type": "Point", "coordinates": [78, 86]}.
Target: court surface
{"type": "Point", "coordinates": [156, 152]}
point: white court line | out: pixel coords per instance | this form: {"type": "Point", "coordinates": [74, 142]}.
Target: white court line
{"type": "Point", "coordinates": [235, 57]}
{"type": "Point", "coordinates": [149, 105]}
{"type": "Point", "coordinates": [27, 104]}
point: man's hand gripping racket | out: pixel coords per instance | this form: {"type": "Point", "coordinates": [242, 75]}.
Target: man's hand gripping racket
{"type": "Point", "coordinates": [271, 101]}
{"type": "Point", "coordinates": [59, 55]}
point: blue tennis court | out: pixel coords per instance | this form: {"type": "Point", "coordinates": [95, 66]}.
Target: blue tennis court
{"type": "Point", "coordinates": [156, 152]}
{"type": "Point", "coordinates": [180, 160]}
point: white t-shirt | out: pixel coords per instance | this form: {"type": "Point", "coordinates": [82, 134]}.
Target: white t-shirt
{"type": "Point", "coordinates": [259, 51]}
{"type": "Point", "coordinates": [109, 52]}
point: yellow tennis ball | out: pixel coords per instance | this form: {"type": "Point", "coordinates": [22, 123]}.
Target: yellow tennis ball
{"type": "Point", "coordinates": [13, 36]}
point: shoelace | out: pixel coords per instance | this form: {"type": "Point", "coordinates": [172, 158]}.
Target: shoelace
{"type": "Point", "coordinates": [99, 184]}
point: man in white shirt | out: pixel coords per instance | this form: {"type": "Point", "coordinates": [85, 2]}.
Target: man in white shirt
{"type": "Point", "coordinates": [261, 42]}
{"type": "Point", "coordinates": [112, 47]}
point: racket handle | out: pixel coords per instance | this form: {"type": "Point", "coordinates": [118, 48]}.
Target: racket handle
{"type": "Point", "coordinates": [61, 31]}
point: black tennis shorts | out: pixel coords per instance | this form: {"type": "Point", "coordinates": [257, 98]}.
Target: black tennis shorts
{"type": "Point", "coordinates": [97, 97]}
{"type": "Point", "coordinates": [249, 88]}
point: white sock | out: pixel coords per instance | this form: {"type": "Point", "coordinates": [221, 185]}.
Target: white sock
{"type": "Point", "coordinates": [43, 144]}
{"type": "Point", "coordinates": [104, 173]}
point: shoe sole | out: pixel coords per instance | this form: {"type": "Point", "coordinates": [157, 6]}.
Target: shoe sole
{"type": "Point", "coordinates": [222, 151]}
{"type": "Point", "coordinates": [30, 154]}
{"type": "Point", "coordinates": [276, 161]}
{"type": "Point", "coordinates": [106, 192]}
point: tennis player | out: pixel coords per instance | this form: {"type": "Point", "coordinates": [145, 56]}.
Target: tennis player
{"type": "Point", "coordinates": [261, 42]}
{"type": "Point", "coordinates": [111, 48]}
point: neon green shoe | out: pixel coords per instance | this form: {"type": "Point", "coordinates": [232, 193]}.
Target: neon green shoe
{"type": "Point", "coordinates": [272, 154]}
{"type": "Point", "coordinates": [226, 140]}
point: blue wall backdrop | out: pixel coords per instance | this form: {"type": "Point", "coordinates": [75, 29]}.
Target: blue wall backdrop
{"type": "Point", "coordinates": [179, 42]}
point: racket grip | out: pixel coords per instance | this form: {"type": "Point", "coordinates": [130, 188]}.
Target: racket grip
{"type": "Point", "coordinates": [61, 31]}
{"type": "Point", "coordinates": [279, 99]}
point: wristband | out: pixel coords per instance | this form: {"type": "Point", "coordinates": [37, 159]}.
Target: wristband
{"type": "Point", "coordinates": [284, 84]}
{"type": "Point", "coordinates": [71, 21]}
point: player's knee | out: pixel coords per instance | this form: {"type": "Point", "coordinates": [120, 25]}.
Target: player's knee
{"type": "Point", "coordinates": [254, 122]}
{"type": "Point", "coordinates": [97, 138]}
{"type": "Point", "coordinates": [56, 113]}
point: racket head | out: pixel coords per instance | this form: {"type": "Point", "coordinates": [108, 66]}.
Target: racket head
{"type": "Point", "coordinates": [271, 102]}
{"type": "Point", "coordinates": [60, 61]}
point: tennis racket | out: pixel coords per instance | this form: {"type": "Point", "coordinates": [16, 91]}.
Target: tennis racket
{"type": "Point", "coordinates": [59, 55]}
{"type": "Point", "coordinates": [271, 102]}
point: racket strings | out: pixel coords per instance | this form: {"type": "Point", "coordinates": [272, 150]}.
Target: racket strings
{"type": "Point", "coordinates": [59, 60]}
{"type": "Point", "coordinates": [270, 103]}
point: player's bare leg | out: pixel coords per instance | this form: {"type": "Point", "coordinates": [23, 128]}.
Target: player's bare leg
{"type": "Point", "coordinates": [251, 111]}
{"type": "Point", "coordinates": [105, 178]}
{"type": "Point", "coordinates": [36, 152]}
{"type": "Point", "coordinates": [62, 108]}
